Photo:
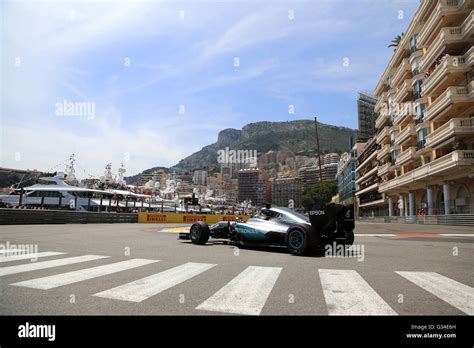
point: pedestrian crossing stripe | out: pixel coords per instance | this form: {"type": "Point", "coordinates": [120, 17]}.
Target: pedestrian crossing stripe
{"type": "Point", "coordinates": [144, 288]}
{"type": "Point", "coordinates": [28, 256]}
{"type": "Point", "coordinates": [245, 294]}
{"type": "Point", "coordinates": [34, 266]}
{"type": "Point", "coordinates": [55, 281]}
{"type": "Point", "coordinates": [345, 291]}
{"type": "Point", "coordinates": [455, 293]}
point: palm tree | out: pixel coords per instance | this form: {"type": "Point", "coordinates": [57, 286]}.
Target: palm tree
{"type": "Point", "coordinates": [396, 42]}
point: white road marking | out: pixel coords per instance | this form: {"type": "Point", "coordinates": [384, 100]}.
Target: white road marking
{"type": "Point", "coordinates": [456, 294]}
{"type": "Point", "coordinates": [144, 288]}
{"type": "Point", "coordinates": [55, 281]}
{"type": "Point", "coordinates": [8, 251]}
{"type": "Point", "coordinates": [246, 293]}
{"type": "Point", "coordinates": [457, 234]}
{"type": "Point", "coordinates": [374, 235]}
{"type": "Point", "coordinates": [347, 293]}
{"type": "Point", "coordinates": [28, 256]}
{"type": "Point", "coordinates": [48, 264]}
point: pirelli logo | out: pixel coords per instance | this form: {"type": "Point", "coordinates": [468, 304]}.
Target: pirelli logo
{"type": "Point", "coordinates": [155, 218]}
{"type": "Point", "coordinates": [229, 218]}
{"type": "Point", "coordinates": [194, 218]}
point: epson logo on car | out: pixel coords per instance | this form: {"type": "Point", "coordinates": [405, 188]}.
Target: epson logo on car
{"type": "Point", "coordinates": [316, 212]}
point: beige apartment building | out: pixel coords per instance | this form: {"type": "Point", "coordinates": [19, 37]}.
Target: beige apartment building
{"type": "Point", "coordinates": [424, 162]}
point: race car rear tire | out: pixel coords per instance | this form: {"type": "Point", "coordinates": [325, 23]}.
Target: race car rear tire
{"type": "Point", "coordinates": [301, 240]}
{"type": "Point", "coordinates": [199, 233]}
{"type": "Point", "coordinates": [349, 238]}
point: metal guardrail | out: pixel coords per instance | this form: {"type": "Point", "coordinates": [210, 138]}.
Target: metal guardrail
{"type": "Point", "coordinates": [29, 217]}
{"type": "Point", "coordinates": [453, 219]}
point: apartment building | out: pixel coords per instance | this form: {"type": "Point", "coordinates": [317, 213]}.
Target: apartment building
{"type": "Point", "coordinates": [200, 177]}
{"type": "Point", "coordinates": [369, 200]}
{"type": "Point", "coordinates": [286, 189]}
{"type": "Point", "coordinates": [366, 116]}
{"type": "Point", "coordinates": [425, 130]}
{"type": "Point", "coordinates": [248, 185]}
{"type": "Point", "coordinates": [346, 174]}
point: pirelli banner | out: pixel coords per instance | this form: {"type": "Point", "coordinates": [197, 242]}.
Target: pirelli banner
{"type": "Point", "coordinates": [187, 218]}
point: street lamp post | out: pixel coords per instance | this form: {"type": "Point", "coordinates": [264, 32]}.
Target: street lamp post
{"type": "Point", "coordinates": [319, 153]}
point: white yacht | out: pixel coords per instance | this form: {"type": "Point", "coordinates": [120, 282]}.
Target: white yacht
{"type": "Point", "coordinates": [62, 192]}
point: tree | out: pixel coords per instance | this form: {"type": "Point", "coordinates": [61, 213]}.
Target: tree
{"type": "Point", "coordinates": [396, 42]}
{"type": "Point", "coordinates": [319, 193]}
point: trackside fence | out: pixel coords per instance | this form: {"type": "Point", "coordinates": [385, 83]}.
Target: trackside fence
{"type": "Point", "coordinates": [30, 216]}
{"type": "Point", "coordinates": [454, 219]}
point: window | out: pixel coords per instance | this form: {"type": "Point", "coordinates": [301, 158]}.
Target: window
{"type": "Point", "coordinates": [462, 202]}
{"type": "Point", "coordinates": [413, 42]}
{"type": "Point", "coordinates": [427, 159]}
{"type": "Point", "coordinates": [420, 112]}
{"type": "Point", "coordinates": [415, 68]}
{"type": "Point", "coordinates": [417, 89]}
{"type": "Point", "coordinates": [421, 136]}
{"type": "Point", "coordinates": [389, 81]}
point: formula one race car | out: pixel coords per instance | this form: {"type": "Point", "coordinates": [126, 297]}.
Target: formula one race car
{"type": "Point", "coordinates": [279, 226]}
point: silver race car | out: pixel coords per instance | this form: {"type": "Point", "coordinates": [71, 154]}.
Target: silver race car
{"type": "Point", "coordinates": [279, 226]}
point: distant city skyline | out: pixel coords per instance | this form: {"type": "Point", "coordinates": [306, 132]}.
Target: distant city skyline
{"type": "Point", "coordinates": [149, 83]}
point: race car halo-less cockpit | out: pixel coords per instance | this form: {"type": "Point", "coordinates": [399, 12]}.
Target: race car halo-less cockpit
{"type": "Point", "coordinates": [280, 226]}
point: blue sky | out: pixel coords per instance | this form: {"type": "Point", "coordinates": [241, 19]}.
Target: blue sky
{"type": "Point", "coordinates": [180, 53]}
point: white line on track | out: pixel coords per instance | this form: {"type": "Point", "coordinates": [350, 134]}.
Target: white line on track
{"type": "Point", "coordinates": [347, 293]}
{"type": "Point", "coordinates": [55, 281]}
{"type": "Point", "coordinates": [144, 288]}
{"type": "Point", "coordinates": [28, 256]}
{"type": "Point", "coordinates": [48, 264]}
{"type": "Point", "coordinates": [246, 293]}
{"type": "Point", "coordinates": [455, 293]}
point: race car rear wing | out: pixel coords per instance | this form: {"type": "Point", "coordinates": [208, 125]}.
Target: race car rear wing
{"type": "Point", "coordinates": [331, 216]}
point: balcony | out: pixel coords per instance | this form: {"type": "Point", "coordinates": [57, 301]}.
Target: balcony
{"type": "Point", "coordinates": [445, 12]}
{"type": "Point", "coordinates": [383, 170]}
{"type": "Point", "coordinates": [451, 100]}
{"type": "Point", "coordinates": [403, 92]}
{"type": "Point", "coordinates": [366, 161]}
{"type": "Point", "coordinates": [449, 73]}
{"type": "Point", "coordinates": [381, 120]}
{"type": "Point", "coordinates": [406, 156]}
{"type": "Point", "coordinates": [426, 7]}
{"type": "Point", "coordinates": [407, 133]}
{"type": "Point", "coordinates": [455, 162]}
{"type": "Point", "coordinates": [384, 151]}
{"type": "Point", "coordinates": [367, 189]}
{"type": "Point", "coordinates": [382, 136]}
{"type": "Point", "coordinates": [403, 115]}
{"type": "Point", "coordinates": [366, 176]}
{"type": "Point", "coordinates": [403, 72]}
{"type": "Point", "coordinates": [447, 36]}
{"type": "Point", "coordinates": [381, 101]}
{"type": "Point", "coordinates": [455, 126]}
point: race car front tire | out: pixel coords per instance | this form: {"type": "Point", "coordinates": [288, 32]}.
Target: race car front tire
{"type": "Point", "coordinates": [199, 233]}
{"type": "Point", "coordinates": [301, 240]}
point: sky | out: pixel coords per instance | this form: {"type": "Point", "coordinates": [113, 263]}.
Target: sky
{"type": "Point", "coordinates": [147, 83]}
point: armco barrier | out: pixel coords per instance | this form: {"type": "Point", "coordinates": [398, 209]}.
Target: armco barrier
{"type": "Point", "coordinates": [187, 218]}
{"type": "Point", "coordinates": [453, 219]}
{"type": "Point", "coordinates": [31, 216]}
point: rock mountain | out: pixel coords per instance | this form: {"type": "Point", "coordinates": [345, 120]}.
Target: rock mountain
{"type": "Point", "coordinates": [298, 136]}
